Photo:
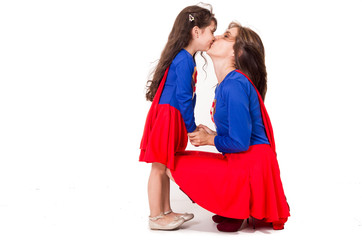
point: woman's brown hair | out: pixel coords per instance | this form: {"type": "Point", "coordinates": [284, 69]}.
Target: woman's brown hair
{"type": "Point", "coordinates": [250, 56]}
{"type": "Point", "coordinates": [178, 39]}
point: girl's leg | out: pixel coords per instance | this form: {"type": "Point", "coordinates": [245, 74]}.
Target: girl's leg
{"type": "Point", "coordinates": [168, 173]}
{"type": "Point", "coordinates": [155, 195]}
{"type": "Point", "coordinates": [166, 197]}
{"type": "Point", "coordinates": [166, 193]}
{"type": "Point", "coordinates": [167, 205]}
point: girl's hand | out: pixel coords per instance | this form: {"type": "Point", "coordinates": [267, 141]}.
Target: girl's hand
{"type": "Point", "coordinates": [207, 129]}
{"type": "Point", "coordinates": [201, 138]}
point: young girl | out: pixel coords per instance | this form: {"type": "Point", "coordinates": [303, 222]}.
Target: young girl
{"type": "Point", "coordinates": [171, 116]}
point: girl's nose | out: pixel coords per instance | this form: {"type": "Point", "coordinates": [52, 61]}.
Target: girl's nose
{"type": "Point", "coordinates": [217, 37]}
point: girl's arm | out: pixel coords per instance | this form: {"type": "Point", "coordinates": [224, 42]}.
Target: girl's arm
{"type": "Point", "coordinates": [184, 94]}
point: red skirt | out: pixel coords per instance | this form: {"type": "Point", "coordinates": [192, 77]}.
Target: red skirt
{"type": "Point", "coordinates": [167, 136]}
{"type": "Point", "coordinates": [237, 185]}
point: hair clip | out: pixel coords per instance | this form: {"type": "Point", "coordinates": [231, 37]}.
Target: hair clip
{"type": "Point", "coordinates": [191, 18]}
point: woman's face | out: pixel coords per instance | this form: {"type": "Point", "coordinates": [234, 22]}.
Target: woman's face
{"type": "Point", "coordinates": [223, 45]}
{"type": "Point", "coordinates": [206, 37]}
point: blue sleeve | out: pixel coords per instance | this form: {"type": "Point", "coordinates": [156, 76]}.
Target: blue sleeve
{"type": "Point", "coordinates": [240, 125]}
{"type": "Point", "coordinates": [184, 93]}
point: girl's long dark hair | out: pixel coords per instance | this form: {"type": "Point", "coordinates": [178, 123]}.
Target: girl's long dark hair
{"type": "Point", "coordinates": [250, 56]}
{"type": "Point", "coordinates": [178, 39]}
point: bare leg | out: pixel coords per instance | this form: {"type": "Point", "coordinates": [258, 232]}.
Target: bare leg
{"type": "Point", "coordinates": [155, 189]}
{"type": "Point", "coordinates": [166, 193]}
{"type": "Point", "coordinates": [168, 172]}
{"type": "Point", "coordinates": [156, 192]}
{"type": "Point", "coordinates": [167, 205]}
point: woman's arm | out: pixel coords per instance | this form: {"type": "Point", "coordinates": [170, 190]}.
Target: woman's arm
{"type": "Point", "coordinates": [239, 120]}
{"type": "Point", "coordinates": [240, 125]}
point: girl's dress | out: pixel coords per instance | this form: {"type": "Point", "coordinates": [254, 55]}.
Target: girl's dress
{"type": "Point", "coordinates": [171, 115]}
{"type": "Point", "coordinates": [244, 181]}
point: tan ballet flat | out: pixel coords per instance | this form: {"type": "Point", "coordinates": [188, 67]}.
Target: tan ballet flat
{"type": "Point", "coordinates": [175, 224]}
{"type": "Point", "coordinates": [185, 216]}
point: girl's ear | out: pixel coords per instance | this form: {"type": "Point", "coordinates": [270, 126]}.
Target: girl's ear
{"type": "Point", "coordinates": [195, 32]}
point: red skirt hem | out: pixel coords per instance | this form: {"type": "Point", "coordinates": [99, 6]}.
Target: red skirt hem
{"type": "Point", "coordinates": [166, 137]}
{"type": "Point", "coordinates": [238, 185]}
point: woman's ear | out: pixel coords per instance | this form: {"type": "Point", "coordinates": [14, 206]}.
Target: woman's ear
{"type": "Point", "coordinates": [239, 53]}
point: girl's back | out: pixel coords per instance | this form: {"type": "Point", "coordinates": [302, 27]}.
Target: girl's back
{"type": "Point", "coordinates": [179, 87]}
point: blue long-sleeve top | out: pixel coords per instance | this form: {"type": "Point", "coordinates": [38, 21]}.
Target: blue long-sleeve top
{"type": "Point", "coordinates": [179, 88]}
{"type": "Point", "coordinates": [237, 115]}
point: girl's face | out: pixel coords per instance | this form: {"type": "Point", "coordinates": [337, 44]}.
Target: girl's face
{"type": "Point", "coordinates": [206, 37]}
{"type": "Point", "coordinates": [223, 46]}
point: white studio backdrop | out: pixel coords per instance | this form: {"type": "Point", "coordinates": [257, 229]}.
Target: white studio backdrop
{"type": "Point", "coordinates": [72, 111]}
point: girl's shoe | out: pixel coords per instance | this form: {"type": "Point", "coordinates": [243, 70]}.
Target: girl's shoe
{"type": "Point", "coordinates": [176, 223]}
{"type": "Point", "coordinates": [185, 216]}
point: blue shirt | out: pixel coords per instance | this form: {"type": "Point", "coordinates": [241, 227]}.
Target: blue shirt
{"type": "Point", "coordinates": [179, 88]}
{"type": "Point", "coordinates": [237, 115]}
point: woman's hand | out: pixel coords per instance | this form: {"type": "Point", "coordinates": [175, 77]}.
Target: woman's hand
{"type": "Point", "coordinates": [201, 137]}
{"type": "Point", "coordinates": [207, 129]}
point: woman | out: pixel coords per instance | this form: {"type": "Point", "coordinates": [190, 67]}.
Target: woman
{"type": "Point", "coordinates": [244, 181]}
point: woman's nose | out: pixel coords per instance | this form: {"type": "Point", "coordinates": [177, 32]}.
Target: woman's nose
{"type": "Point", "coordinates": [217, 37]}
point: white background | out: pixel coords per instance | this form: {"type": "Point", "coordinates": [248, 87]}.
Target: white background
{"type": "Point", "coordinates": [72, 111]}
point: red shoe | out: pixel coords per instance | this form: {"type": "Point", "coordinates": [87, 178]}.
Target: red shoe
{"type": "Point", "coordinates": [218, 218]}
{"type": "Point", "coordinates": [230, 225]}
{"type": "Point", "coordinates": [279, 225]}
